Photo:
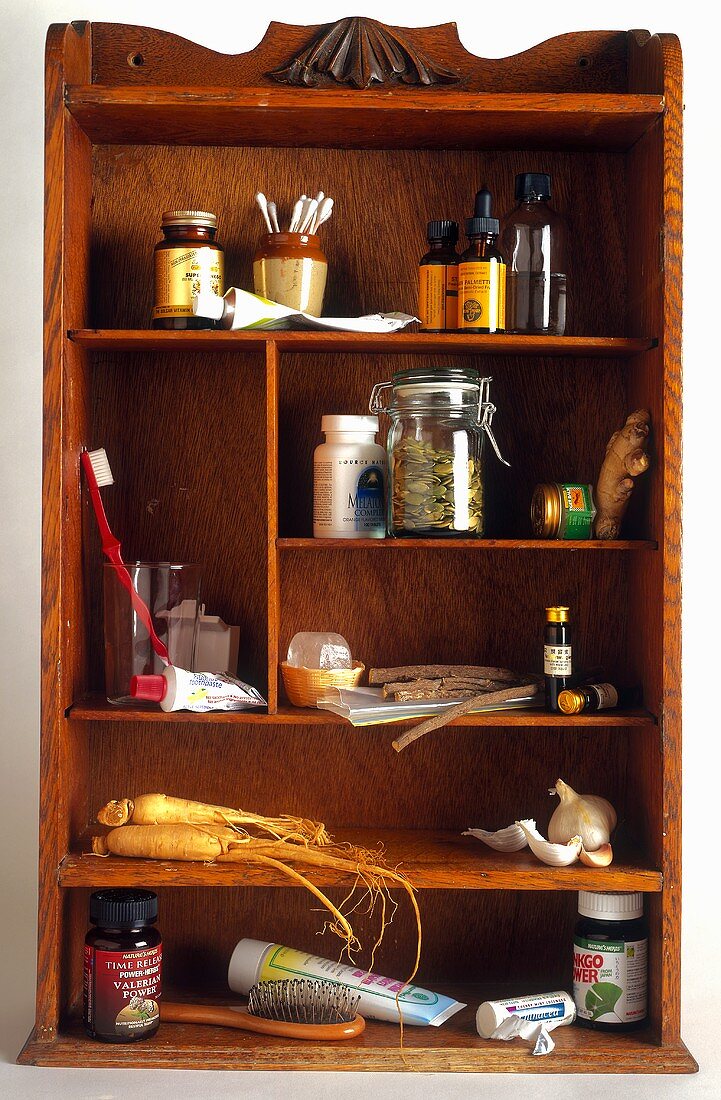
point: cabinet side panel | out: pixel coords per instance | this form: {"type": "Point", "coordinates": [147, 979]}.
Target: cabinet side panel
{"type": "Point", "coordinates": [654, 207]}
{"type": "Point", "coordinates": [67, 210]}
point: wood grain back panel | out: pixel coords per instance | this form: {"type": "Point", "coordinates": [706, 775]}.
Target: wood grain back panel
{"type": "Point", "coordinates": [454, 779]}
{"type": "Point", "coordinates": [383, 201]}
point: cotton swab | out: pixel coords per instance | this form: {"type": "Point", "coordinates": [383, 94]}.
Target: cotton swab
{"type": "Point", "coordinates": [311, 207]}
{"type": "Point", "coordinates": [273, 211]}
{"type": "Point", "coordinates": [263, 204]}
{"type": "Point", "coordinates": [323, 212]}
{"type": "Point", "coordinates": [297, 209]}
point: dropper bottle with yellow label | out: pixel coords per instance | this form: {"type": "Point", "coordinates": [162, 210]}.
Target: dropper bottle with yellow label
{"type": "Point", "coordinates": [482, 273]}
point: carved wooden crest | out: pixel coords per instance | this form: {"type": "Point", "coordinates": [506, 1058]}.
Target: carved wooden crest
{"type": "Point", "coordinates": [361, 52]}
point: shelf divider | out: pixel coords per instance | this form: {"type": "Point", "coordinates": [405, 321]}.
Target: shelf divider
{"type": "Point", "coordinates": [374, 120]}
{"type": "Point", "coordinates": [432, 859]}
{"type": "Point", "coordinates": [96, 708]}
{"type": "Point", "coordinates": [448, 544]}
{"type": "Point", "coordinates": [402, 343]}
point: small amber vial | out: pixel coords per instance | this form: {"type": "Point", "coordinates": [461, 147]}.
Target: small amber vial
{"type": "Point", "coordinates": [188, 261]}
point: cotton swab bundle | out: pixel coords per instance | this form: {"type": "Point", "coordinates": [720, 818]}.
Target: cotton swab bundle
{"type": "Point", "coordinates": [308, 214]}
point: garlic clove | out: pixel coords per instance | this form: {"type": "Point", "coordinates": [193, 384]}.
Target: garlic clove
{"type": "Point", "coordinates": [555, 855]}
{"type": "Point", "coordinates": [587, 815]}
{"type": "Point", "coordinates": [510, 839]}
{"type": "Point", "coordinates": [602, 857]}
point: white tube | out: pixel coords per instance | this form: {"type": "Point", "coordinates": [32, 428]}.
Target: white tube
{"type": "Point", "coordinates": [552, 1009]}
{"type": "Point", "coordinates": [178, 689]}
{"type": "Point", "coordinates": [259, 961]}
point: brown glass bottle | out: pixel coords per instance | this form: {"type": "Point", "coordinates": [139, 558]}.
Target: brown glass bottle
{"type": "Point", "coordinates": [438, 279]}
{"type": "Point", "coordinates": [557, 663]}
{"type": "Point", "coordinates": [187, 261]}
{"type": "Point", "coordinates": [482, 273]}
{"type": "Point", "coordinates": [122, 966]}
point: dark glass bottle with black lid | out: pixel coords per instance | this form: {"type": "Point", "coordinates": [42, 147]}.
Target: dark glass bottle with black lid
{"type": "Point", "coordinates": [122, 966]}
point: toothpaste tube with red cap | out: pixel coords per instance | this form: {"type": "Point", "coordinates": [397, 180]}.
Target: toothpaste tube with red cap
{"type": "Point", "coordinates": [178, 689]}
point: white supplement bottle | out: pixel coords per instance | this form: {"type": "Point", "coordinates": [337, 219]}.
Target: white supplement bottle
{"type": "Point", "coordinates": [349, 479]}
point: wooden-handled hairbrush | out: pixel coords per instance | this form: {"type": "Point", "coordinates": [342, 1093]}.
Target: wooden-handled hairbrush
{"type": "Point", "coordinates": [295, 1008]}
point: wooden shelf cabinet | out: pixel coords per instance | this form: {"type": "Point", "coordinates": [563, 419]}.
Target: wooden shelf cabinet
{"type": "Point", "coordinates": [210, 437]}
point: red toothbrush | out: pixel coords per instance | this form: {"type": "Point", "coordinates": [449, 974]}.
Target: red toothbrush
{"type": "Point", "coordinates": [98, 472]}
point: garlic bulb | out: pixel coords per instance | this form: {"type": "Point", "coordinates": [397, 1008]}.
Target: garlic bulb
{"type": "Point", "coordinates": [511, 839]}
{"type": "Point", "coordinates": [586, 815]}
{"type": "Point", "coordinates": [556, 855]}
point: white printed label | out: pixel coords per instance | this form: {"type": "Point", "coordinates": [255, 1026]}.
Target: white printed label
{"type": "Point", "coordinates": [606, 694]}
{"type": "Point", "coordinates": [348, 498]}
{"type": "Point", "coordinates": [609, 980]}
{"type": "Point", "coordinates": [557, 660]}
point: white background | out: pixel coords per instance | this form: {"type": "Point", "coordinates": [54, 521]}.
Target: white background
{"type": "Point", "coordinates": [491, 30]}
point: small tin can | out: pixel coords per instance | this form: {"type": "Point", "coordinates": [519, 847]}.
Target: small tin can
{"type": "Point", "coordinates": [563, 510]}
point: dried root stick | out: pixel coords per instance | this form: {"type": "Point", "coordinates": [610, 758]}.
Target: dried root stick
{"type": "Point", "coordinates": [488, 698]}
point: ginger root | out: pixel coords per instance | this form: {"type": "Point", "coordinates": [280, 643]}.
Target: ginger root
{"type": "Point", "coordinates": [626, 458]}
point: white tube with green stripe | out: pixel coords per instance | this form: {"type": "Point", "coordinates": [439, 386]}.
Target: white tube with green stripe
{"type": "Point", "coordinates": [259, 961]}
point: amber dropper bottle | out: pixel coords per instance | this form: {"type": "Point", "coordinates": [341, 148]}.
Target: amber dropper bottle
{"type": "Point", "coordinates": [482, 273]}
{"type": "Point", "coordinates": [557, 663]}
{"type": "Point", "coordinates": [438, 279]}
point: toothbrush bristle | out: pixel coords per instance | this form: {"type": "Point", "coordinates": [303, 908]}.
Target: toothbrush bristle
{"type": "Point", "coordinates": [101, 467]}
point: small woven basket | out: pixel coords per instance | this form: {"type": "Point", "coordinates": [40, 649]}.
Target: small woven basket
{"type": "Point", "coordinates": [304, 686]}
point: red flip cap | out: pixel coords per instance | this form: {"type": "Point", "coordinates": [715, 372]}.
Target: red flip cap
{"type": "Point", "coordinates": [153, 688]}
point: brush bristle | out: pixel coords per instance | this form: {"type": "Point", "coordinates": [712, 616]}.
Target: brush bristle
{"type": "Point", "coordinates": [303, 1001]}
{"type": "Point", "coordinates": [101, 467]}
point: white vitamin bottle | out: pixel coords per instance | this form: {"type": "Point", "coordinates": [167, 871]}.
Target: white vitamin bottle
{"type": "Point", "coordinates": [349, 479]}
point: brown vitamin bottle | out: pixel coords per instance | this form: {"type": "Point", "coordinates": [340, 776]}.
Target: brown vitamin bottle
{"type": "Point", "coordinates": [188, 261]}
{"type": "Point", "coordinates": [122, 966]}
{"type": "Point", "coordinates": [482, 273]}
{"type": "Point", "coordinates": [438, 279]}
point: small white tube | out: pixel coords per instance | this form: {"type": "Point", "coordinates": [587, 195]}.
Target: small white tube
{"type": "Point", "coordinates": [178, 689]}
{"type": "Point", "coordinates": [259, 961]}
{"type": "Point", "coordinates": [551, 1009]}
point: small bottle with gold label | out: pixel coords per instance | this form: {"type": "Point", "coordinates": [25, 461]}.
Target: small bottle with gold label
{"type": "Point", "coordinates": [438, 279]}
{"type": "Point", "coordinates": [482, 273]}
{"type": "Point", "coordinates": [188, 261]}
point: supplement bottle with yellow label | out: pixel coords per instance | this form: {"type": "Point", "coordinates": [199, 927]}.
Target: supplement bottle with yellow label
{"type": "Point", "coordinates": [438, 279]}
{"type": "Point", "coordinates": [188, 262]}
{"type": "Point", "coordinates": [482, 273]}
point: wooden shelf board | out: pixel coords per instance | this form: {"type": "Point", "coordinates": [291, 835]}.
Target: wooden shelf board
{"type": "Point", "coordinates": [401, 343]}
{"type": "Point", "coordinates": [432, 859]}
{"type": "Point", "coordinates": [369, 119]}
{"type": "Point", "coordinates": [465, 544]}
{"type": "Point", "coordinates": [96, 708]}
{"type": "Point", "coordinates": [455, 1046]}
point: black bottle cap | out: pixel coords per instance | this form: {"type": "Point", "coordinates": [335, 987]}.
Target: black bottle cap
{"type": "Point", "coordinates": [442, 231]}
{"type": "Point", "coordinates": [533, 185]}
{"type": "Point", "coordinates": [482, 222]}
{"type": "Point", "coordinates": [124, 909]}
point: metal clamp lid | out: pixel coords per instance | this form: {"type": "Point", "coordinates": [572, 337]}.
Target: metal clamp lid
{"type": "Point", "coordinates": [486, 409]}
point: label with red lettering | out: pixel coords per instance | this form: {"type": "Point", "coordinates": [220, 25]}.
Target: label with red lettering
{"type": "Point", "coordinates": [609, 980]}
{"type": "Point", "coordinates": [121, 991]}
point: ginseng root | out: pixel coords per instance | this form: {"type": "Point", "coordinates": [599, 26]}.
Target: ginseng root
{"type": "Point", "coordinates": [163, 809]}
{"type": "Point", "coordinates": [201, 842]}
